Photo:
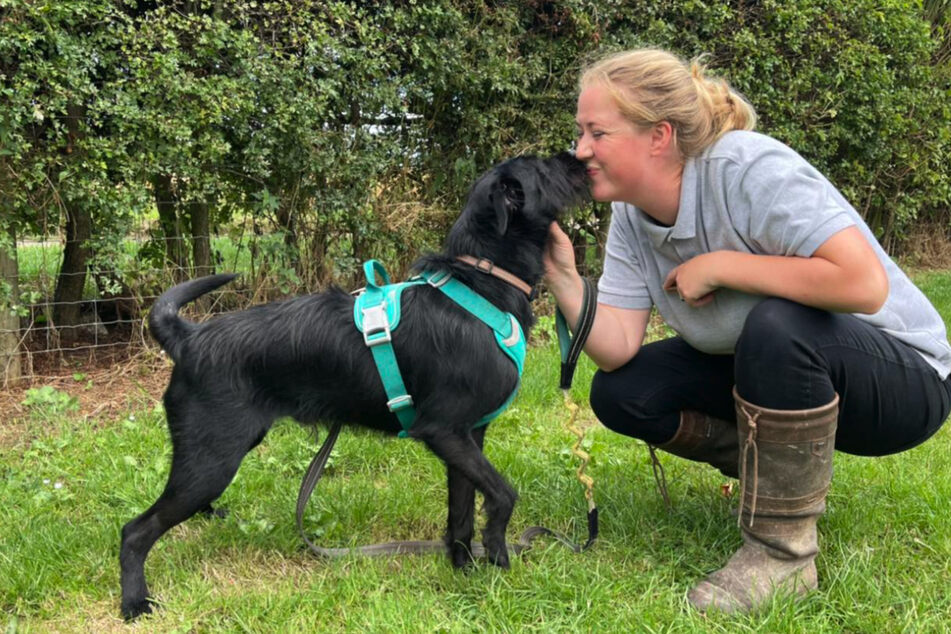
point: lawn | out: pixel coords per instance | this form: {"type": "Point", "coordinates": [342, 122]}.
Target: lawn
{"type": "Point", "coordinates": [39, 262]}
{"type": "Point", "coordinates": [69, 481]}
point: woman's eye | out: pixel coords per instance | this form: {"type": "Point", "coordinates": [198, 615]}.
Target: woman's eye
{"type": "Point", "coordinates": [595, 134]}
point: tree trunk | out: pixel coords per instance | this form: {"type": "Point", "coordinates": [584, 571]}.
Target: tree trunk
{"type": "Point", "coordinates": [201, 239]}
{"type": "Point", "coordinates": [171, 225]}
{"type": "Point", "coordinates": [76, 252]}
{"type": "Point", "coordinates": [72, 274]}
{"type": "Point", "coordinates": [201, 247]}
{"type": "Point", "coordinates": [287, 216]}
{"type": "Point", "coordinates": [9, 321]}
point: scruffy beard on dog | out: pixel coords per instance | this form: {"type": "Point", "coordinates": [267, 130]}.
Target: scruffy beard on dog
{"type": "Point", "coordinates": [304, 358]}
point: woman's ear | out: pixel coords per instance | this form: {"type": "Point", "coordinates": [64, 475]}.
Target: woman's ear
{"type": "Point", "coordinates": [663, 138]}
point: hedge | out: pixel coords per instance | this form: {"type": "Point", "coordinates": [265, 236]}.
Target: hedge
{"type": "Point", "coordinates": [353, 129]}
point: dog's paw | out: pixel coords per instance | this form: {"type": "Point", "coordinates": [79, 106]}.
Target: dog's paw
{"type": "Point", "coordinates": [132, 610]}
{"type": "Point", "coordinates": [212, 512]}
{"type": "Point", "coordinates": [461, 555]}
{"type": "Point", "coordinates": [501, 560]}
{"type": "Point", "coordinates": [498, 555]}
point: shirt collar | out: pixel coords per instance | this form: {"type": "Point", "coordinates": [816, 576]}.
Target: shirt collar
{"type": "Point", "coordinates": [685, 227]}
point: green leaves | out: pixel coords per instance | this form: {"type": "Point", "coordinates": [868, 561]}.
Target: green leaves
{"type": "Point", "coordinates": [317, 119]}
{"type": "Point", "coordinates": [47, 400]}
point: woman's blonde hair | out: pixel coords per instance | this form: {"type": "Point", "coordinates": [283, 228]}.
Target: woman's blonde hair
{"type": "Point", "coordinates": [652, 85]}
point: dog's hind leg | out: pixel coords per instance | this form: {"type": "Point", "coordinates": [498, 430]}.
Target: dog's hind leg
{"type": "Point", "coordinates": [185, 494]}
{"type": "Point", "coordinates": [461, 511]}
{"type": "Point", "coordinates": [203, 466]}
{"type": "Point", "coordinates": [462, 454]}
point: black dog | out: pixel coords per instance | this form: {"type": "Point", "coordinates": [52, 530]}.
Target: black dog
{"type": "Point", "coordinates": [304, 358]}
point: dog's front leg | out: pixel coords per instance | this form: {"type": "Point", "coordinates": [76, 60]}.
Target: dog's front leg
{"type": "Point", "coordinates": [462, 455]}
{"type": "Point", "coordinates": [462, 511]}
{"type": "Point", "coordinates": [461, 518]}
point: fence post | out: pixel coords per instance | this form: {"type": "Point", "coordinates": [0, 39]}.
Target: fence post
{"type": "Point", "coordinates": [9, 321]}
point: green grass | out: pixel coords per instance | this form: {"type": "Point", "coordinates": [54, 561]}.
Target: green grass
{"type": "Point", "coordinates": [885, 564]}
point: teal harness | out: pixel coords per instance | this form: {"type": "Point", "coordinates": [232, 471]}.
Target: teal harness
{"type": "Point", "coordinates": [376, 314]}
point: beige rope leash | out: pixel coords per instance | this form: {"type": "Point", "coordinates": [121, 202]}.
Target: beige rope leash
{"type": "Point", "coordinates": [578, 450]}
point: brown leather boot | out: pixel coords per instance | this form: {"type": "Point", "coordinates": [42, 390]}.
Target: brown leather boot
{"type": "Point", "coordinates": [785, 471]}
{"type": "Point", "coordinates": [703, 438]}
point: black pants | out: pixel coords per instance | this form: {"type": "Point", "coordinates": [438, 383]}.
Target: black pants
{"type": "Point", "coordinates": [789, 357]}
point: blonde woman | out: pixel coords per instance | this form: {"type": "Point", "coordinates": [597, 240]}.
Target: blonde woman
{"type": "Point", "coordinates": [796, 333]}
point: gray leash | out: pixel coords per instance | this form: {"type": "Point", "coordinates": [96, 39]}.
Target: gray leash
{"type": "Point", "coordinates": [316, 469]}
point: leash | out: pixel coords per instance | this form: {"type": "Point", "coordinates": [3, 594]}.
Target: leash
{"type": "Point", "coordinates": [570, 352]}
{"type": "Point", "coordinates": [316, 469]}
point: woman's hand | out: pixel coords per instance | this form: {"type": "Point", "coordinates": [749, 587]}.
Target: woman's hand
{"type": "Point", "coordinates": [617, 333]}
{"type": "Point", "coordinates": [843, 275]}
{"type": "Point", "coordinates": [693, 280]}
{"type": "Point", "coordinates": [559, 259]}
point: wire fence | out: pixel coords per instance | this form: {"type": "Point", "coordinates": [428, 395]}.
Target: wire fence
{"type": "Point", "coordinates": [43, 350]}
{"type": "Point", "coordinates": [49, 336]}
{"type": "Point", "coordinates": [108, 323]}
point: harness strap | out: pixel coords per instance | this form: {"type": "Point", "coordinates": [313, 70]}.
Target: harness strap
{"type": "Point", "coordinates": [377, 314]}
{"type": "Point", "coordinates": [378, 336]}
{"type": "Point", "coordinates": [507, 329]}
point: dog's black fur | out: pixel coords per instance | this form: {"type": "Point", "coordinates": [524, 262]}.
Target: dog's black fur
{"type": "Point", "coordinates": [304, 358]}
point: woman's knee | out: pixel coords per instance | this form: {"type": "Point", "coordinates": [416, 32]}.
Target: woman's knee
{"type": "Point", "coordinates": [777, 363]}
{"type": "Point", "coordinates": [643, 399]}
{"type": "Point", "coordinates": [604, 399]}
{"type": "Point", "coordinates": [778, 330]}
{"type": "Point", "coordinates": [616, 402]}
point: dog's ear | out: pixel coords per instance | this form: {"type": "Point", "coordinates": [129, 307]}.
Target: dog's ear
{"type": "Point", "coordinates": [507, 198]}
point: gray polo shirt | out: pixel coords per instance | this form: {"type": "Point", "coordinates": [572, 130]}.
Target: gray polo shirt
{"type": "Point", "coordinates": [750, 193]}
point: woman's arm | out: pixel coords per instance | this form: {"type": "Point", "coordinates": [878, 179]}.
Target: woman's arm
{"type": "Point", "coordinates": [617, 333]}
{"type": "Point", "coordinates": [843, 275]}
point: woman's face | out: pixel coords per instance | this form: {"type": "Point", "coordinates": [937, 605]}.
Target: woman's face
{"type": "Point", "coordinates": [615, 151]}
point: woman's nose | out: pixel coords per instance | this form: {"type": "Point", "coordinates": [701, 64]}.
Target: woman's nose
{"type": "Point", "coordinates": [582, 148]}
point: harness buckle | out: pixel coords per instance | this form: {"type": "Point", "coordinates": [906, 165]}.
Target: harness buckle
{"type": "Point", "coordinates": [515, 335]}
{"type": "Point", "coordinates": [376, 326]}
{"type": "Point", "coordinates": [439, 278]}
{"type": "Point", "coordinates": [400, 402]}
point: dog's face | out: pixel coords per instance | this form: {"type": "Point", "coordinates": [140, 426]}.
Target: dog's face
{"type": "Point", "coordinates": [530, 191]}
{"type": "Point", "coordinates": [513, 204]}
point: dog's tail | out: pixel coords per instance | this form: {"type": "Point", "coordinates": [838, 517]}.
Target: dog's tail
{"type": "Point", "coordinates": [165, 324]}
